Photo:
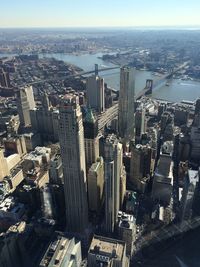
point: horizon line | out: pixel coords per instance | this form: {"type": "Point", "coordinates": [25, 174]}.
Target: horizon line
{"type": "Point", "coordinates": [105, 27]}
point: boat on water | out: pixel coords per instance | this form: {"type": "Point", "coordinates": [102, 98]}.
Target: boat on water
{"type": "Point", "coordinates": [167, 84]}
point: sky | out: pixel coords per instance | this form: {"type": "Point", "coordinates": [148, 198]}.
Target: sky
{"type": "Point", "coordinates": [99, 13]}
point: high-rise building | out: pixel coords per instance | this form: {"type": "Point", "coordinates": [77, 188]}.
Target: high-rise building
{"type": "Point", "coordinates": [181, 115]}
{"type": "Point", "coordinates": [95, 93]}
{"type": "Point", "coordinates": [4, 78]}
{"type": "Point", "coordinates": [44, 120]}
{"type": "Point", "coordinates": [140, 123]}
{"type": "Point", "coordinates": [12, 249]}
{"type": "Point", "coordinates": [197, 107]}
{"type": "Point", "coordinates": [96, 185]}
{"type": "Point", "coordinates": [163, 175]}
{"type": "Point", "coordinates": [140, 166]}
{"type": "Point", "coordinates": [71, 138]}
{"type": "Point", "coordinates": [108, 252]}
{"type": "Point", "coordinates": [122, 186]}
{"type": "Point", "coordinates": [195, 139]}
{"type": "Point", "coordinates": [113, 168]}
{"type": "Point", "coordinates": [126, 103]}
{"type": "Point", "coordinates": [25, 103]}
{"type": "Point", "coordinates": [190, 183]}
{"type": "Point", "coordinates": [91, 139]}
{"type": "Point", "coordinates": [127, 230]}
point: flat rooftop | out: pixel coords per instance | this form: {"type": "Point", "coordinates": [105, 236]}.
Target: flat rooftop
{"type": "Point", "coordinates": [108, 247]}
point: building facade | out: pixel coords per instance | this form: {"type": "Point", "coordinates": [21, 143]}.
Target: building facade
{"type": "Point", "coordinates": [62, 252]}
{"type": "Point", "coordinates": [95, 93]}
{"type": "Point", "coordinates": [96, 185]}
{"type": "Point", "coordinates": [126, 103]}
{"type": "Point", "coordinates": [71, 138]}
{"type": "Point", "coordinates": [25, 103]}
{"type": "Point", "coordinates": [4, 171]}
{"type": "Point", "coordinates": [140, 166]}
{"type": "Point", "coordinates": [140, 124]}
{"type": "Point", "coordinates": [113, 168]}
{"type": "Point", "coordinates": [44, 120]}
{"type": "Point", "coordinates": [91, 138]}
{"type": "Point", "coordinates": [127, 230]}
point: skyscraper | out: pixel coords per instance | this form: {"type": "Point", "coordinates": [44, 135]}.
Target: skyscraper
{"type": "Point", "coordinates": [126, 103]}
{"type": "Point", "coordinates": [127, 230]}
{"type": "Point", "coordinates": [140, 166]}
{"type": "Point", "coordinates": [91, 138]}
{"type": "Point", "coordinates": [113, 168]}
{"type": "Point", "coordinates": [96, 185]}
{"type": "Point", "coordinates": [44, 120]}
{"type": "Point", "coordinates": [140, 123]}
{"type": "Point", "coordinates": [95, 93]}
{"type": "Point", "coordinates": [195, 138]}
{"type": "Point", "coordinates": [4, 78]}
{"type": "Point", "coordinates": [73, 160]}
{"type": "Point", "coordinates": [188, 195]}
{"type": "Point", "coordinates": [25, 103]}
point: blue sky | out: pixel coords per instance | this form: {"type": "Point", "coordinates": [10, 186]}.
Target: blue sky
{"type": "Point", "coordinates": [84, 13]}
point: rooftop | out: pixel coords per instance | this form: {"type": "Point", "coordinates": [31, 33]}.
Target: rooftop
{"type": "Point", "coordinates": [126, 220]}
{"type": "Point", "coordinates": [59, 251]}
{"type": "Point", "coordinates": [111, 248]}
{"type": "Point", "coordinates": [95, 165]}
{"type": "Point", "coordinates": [193, 176]}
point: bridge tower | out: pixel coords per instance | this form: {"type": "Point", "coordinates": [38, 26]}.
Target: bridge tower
{"type": "Point", "coordinates": [171, 72]}
{"type": "Point", "coordinates": [149, 86]}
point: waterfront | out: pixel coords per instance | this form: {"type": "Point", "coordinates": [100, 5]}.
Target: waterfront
{"type": "Point", "coordinates": [176, 91]}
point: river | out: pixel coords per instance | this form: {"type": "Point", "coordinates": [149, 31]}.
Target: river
{"type": "Point", "coordinates": [176, 91]}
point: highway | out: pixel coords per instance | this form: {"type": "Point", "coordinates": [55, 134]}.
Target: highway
{"type": "Point", "coordinates": [107, 116]}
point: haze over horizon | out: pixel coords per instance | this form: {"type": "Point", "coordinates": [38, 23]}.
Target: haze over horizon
{"type": "Point", "coordinates": [118, 13]}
